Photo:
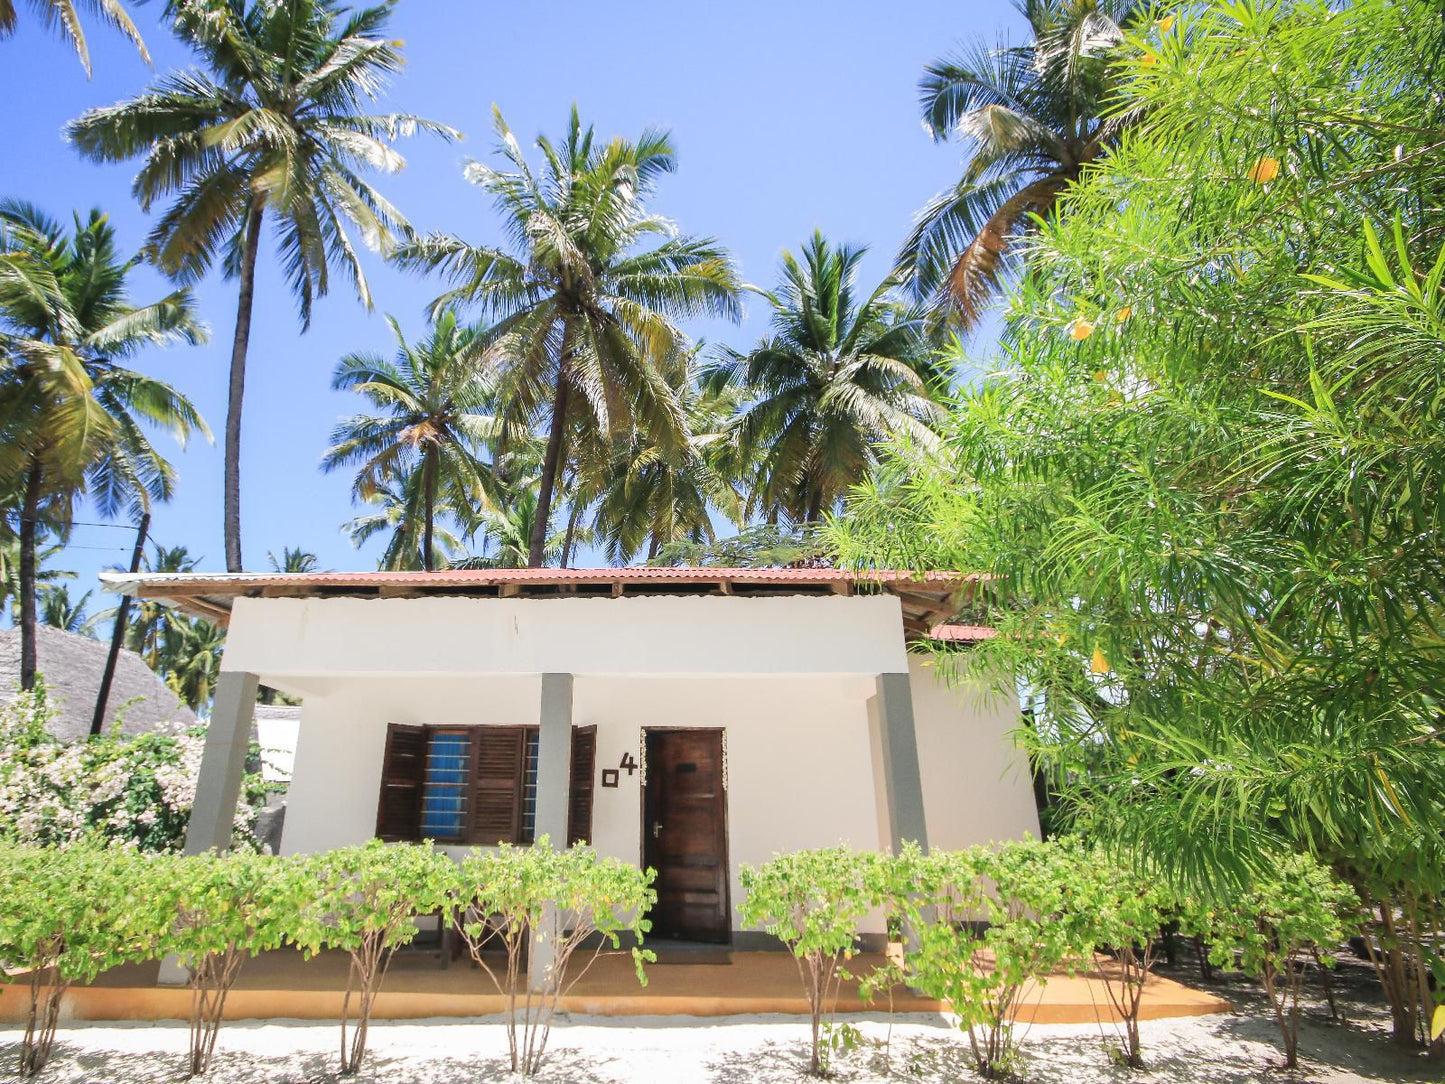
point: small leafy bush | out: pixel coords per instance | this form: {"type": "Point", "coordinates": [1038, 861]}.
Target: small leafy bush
{"type": "Point", "coordinates": [989, 924]}
{"type": "Point", "coordinates": [66, 916]}
{"type": "Point", "coordinates": [520, 900]}
{"type": "Point", "coordinates": [363, 900]}
{"type": "Point", "coordinates": [1119, 912]}
{"type": "Point", "coordinates": [225, 908]}
{"type": "Point", "coordinates": [135, 790]}
{"type": "Point", "coordinates": [1296, 911]}
{"type": "Point", "coordinates": [814, 902]}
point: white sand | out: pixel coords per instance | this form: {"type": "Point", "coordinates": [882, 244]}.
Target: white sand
{"type": "Point", "coordinates": [1220, 1049]}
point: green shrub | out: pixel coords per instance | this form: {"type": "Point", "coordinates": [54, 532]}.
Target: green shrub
{"type": "Point", "coordinates": [988, 925]}
{"type": "Point", "coordinates": [66, 916]}
{"type": "Point", "coordinates": [224, 908]}
{"type": "Point", "coordinates": [116, 787]}
{"type": "Point", "coordinates": [814, 902]}
{"type": "Point", "coordinates": [1295, 911]}
{"type": "Point", "coordinates": [1119, 912]}
{"type": "Point", "coordinates": [522, 900]}
{"type": "Point", "coordinates": [363, 900]}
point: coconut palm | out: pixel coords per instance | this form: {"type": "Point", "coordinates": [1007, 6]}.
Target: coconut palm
{"type": "Point", "coordinates": [71, 416]}
{"type": "Point", "coordinates": [395, 510]}
{"type": "Point", "coordinates": [434, 421]}
{"type": "Point", "coordinates": [192, 660]}
{"type": "Point", "coordinates": [62, 15]}
{"type": "Point", "coordinates": [292, 560]}
{"type": "Point", "coordinates": [1032, 118]}
{"type": "Point", "coordinates": [151, 621]}
{"type": "Point", "coordinates": [836, 376]}
{"type": "Point", "coordinates": [276, 126]}
{"type": "Point", "coordinates": [58, 610]}
{"type": "Point", "coordinates": [586, 310]}
{"type": "Point", "coordinates": [648, 497]}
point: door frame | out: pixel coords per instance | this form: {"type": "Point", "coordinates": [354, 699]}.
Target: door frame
{"type": "Point", "coordinates": [726, 840]}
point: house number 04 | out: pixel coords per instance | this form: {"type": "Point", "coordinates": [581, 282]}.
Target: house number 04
{"type": "Point", "coordinates": [611, 776]}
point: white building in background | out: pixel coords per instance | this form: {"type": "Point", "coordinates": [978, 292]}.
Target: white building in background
{"type": "Point", "coordinates": [690, 720]}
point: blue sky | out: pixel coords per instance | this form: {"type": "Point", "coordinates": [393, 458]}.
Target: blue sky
{"type": "Point", "coordinates": [787, 116]}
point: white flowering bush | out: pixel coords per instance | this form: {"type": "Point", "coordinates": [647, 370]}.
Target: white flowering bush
{"type": "Point", "coordinates": [136, 790]}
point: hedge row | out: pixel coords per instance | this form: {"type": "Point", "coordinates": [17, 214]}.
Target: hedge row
{"type": "Point", "coordinates": [978, 928]}
{"type": "Point", "coordinates": [68, 914]}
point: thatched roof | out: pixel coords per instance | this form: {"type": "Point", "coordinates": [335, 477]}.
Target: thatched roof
{"type": "Point", "coordinates": [72, 665]}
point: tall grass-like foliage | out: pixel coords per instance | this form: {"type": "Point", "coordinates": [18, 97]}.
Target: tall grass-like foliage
{"type": "Point", "coordinates": [1205, 471]}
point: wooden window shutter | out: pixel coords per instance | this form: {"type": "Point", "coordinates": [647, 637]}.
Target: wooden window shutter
{"type": "Point", "coordinates": [579, 793]}
{"type": "Point", "coordinates": [498, 756]}
{"type": "Point", "coordinates": [403, 772]}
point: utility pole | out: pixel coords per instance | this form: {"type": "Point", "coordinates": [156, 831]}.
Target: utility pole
{"type": "Point", "coordinates": [118, 633]}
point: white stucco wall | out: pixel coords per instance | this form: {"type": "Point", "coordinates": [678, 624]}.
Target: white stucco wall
{"type": "Point", "coordinates": [655, 635]}
{"type": "Point", "coordinates": [976, 784]}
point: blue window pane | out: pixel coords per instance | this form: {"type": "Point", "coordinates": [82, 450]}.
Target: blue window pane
{"type": "Point", "coordinates": [443, 803]}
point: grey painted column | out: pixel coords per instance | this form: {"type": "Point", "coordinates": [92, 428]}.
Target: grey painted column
{"type": "Point", "coordinates": [218, 788]}
{"type": "Point", "coordinates": [223, 763]}
{"type": "Point", "coordinates": [554, 779]}
{"type": "Point", "coordinates": [903, 781]}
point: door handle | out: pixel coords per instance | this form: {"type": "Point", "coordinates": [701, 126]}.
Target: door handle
{"type": "Point", "coordinates": [656, 829]}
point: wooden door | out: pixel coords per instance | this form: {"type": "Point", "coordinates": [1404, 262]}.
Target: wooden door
{"type": "Point", "coordinates": [684, 832]}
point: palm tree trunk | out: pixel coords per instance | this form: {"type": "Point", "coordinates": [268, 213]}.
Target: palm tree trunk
{"type": "Point", "coordinates": [238, 388]}
{"type": "Point", "coordinates": [538, 541]}
{"type": "Point", "coordinates": [29, 528]}
{"type": "Point", "coordinates": [429, 484]}
{"type": "Point", "coordinates": [574, 513]}
{"type": "Point", "coordinates": [815, 505]}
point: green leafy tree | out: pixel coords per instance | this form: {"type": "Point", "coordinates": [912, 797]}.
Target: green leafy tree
{"type": "Point", "coordinates": [1032, 118]}
{"type": "Point", "coordinates": [815, 902]}
{"type": "Point", "coordinates": [586, 311]}
{"type": "Point", "coordinates": [1292, 914]}
{"type": "Point", "coordinates": [225, 908]}
{"type": "Point", "coordinates": [838, 374]}
{"type": "Point", "coordinates": [434, 422]}
{"type": "Point", "coordinates": [989, 926]}
{"type": "Point", "coordinates": [363, 900]}
{"type": "Point", "coordinates": [1204, 470]}
{"type": "Point", "coordinates": [525, 900]}
{"type": "Point", "coordinates": [62, 15]}
{"type": "Point", "coordinates": [74, 418]}
{"type": "Point", "coordinates": [275, 124]}
{"type": "Point", "coordinates": [68, 915]}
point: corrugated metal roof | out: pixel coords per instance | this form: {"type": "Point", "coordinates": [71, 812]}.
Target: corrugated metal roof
{"type": "Point", "coordinates": [966, 634]}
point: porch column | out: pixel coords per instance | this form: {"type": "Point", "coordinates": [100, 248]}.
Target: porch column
{"type": "Point", "coordinates": [223, 763]}
{"type": "Point", "coordinates": [218, 787]}
{"type": "Point", "coordinates": [902, 781]}
{"type": "Point", "coordinates": [554, 774]}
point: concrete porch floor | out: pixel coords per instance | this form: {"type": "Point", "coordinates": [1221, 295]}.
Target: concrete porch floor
{"type": "Point", "coordinates": [281, 985]}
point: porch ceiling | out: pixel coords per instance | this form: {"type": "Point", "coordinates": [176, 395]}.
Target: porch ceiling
{"type": "Point", "coordinates": [926, 597]}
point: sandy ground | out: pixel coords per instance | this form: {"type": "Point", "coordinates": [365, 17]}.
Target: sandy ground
{"type": "Point", "coordinates": [1221, 1049]}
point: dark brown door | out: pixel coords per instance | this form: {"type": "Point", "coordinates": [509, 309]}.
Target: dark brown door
{"type": "Point", "coordinates": [684, 832]}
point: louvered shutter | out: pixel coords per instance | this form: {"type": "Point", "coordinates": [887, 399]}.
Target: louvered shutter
{"type": "Point", "coordinates": [403, 772]}
{"type": "Point", "coordinates": [498, 754]}
{"type": "Point", "coordinates": [579, 793]}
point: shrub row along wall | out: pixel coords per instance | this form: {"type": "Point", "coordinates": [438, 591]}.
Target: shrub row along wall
{"type": "Point", "coordinates": [975, 928]}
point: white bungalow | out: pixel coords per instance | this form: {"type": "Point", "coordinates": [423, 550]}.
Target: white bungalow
{"type": "Point", "coordinates": [690, 720]}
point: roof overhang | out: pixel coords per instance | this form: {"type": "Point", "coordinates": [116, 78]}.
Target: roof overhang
{"type": "Point", "coordinates": [927, 597]}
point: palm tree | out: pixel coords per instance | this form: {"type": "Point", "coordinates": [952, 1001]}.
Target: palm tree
{"type": "Point", "coordinates": [434, 421]}
{"type": "Point", "coordinates": [585, 310]}
{"type": "Point", "coordinates": [58, 611]}
{"type": "Point", "coordinates": [152, 621]}
{"type": "Point", "coordinates": [70, 415]}
{"type": "Point", "coordinates": [395, 510]}
{"type": "Point", "coordinates": [293, 560]}
{"type": "Point", "coordinates": [192, 660]}
{"type": "Point", "coordinates": [276, 126]}
{"type": "Point", "coordinates": [61, 15]}
{"type": "Point", "coordinates": [648, 497]}
{"type": "Point", "coordinates": [835, 377]}
{"type": "Point", "coordinates": [1032, 118]}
